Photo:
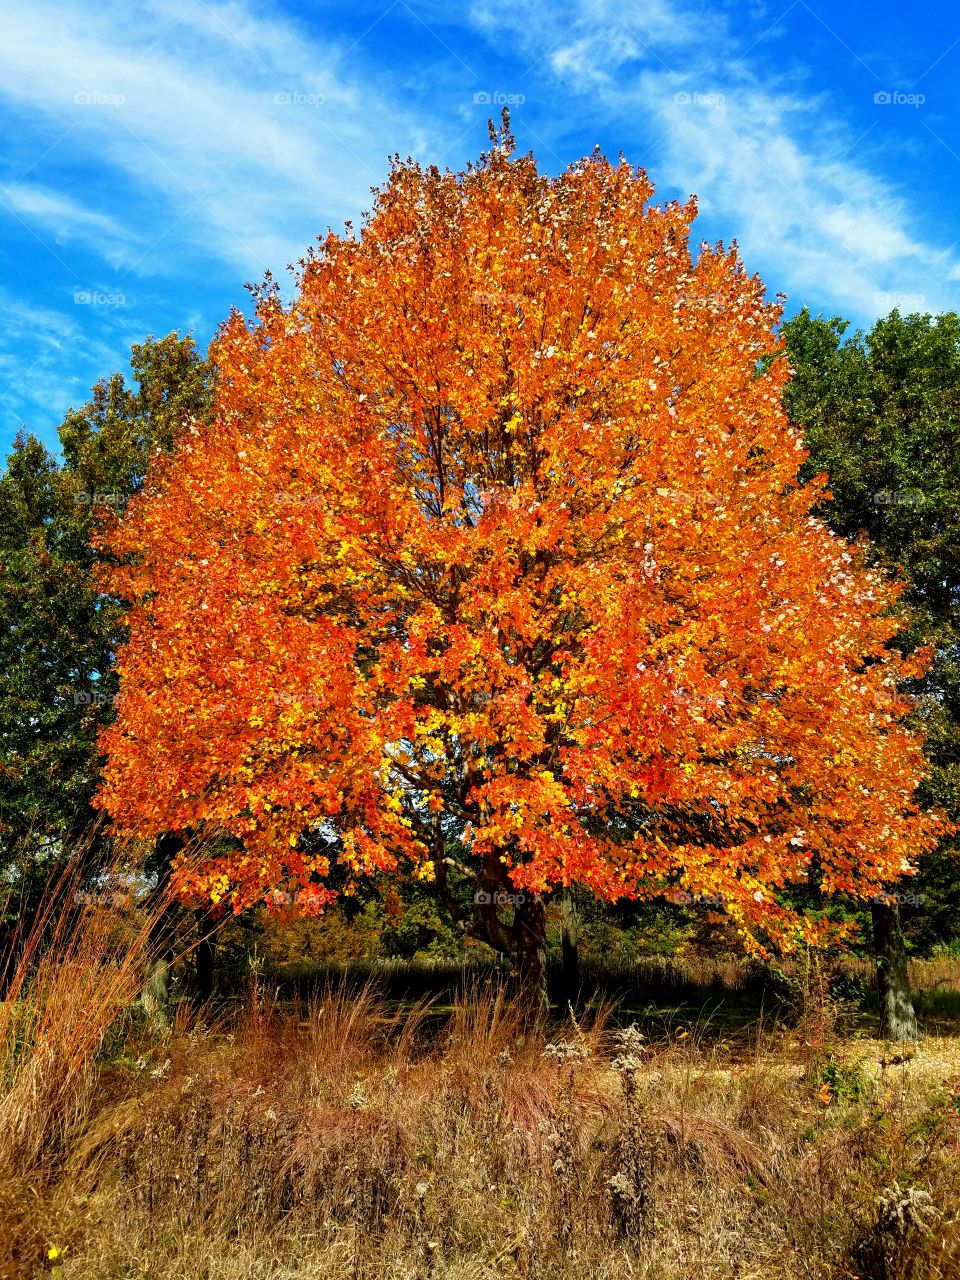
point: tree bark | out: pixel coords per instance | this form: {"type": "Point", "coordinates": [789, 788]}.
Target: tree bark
{"type": "Point", "coordinates": [898, 1021]}
{"type": "Point", "coordinates": [155, 997]}
{"type": "Point", "coordinates": [570, 948]}
{"type": "Point", "coordinates": [530, 955]}
{"type": "Point", "coordinates": [205, 958]}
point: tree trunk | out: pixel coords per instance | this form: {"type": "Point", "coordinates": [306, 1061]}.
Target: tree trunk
{"type": "Point", "coordinates": [570, 949]}
{"type": "Point", "coordinates": [898, 1021]}
{"type": "Point", "coordinates": [530, 955]}
{"type": "Point", "coordinates": [155, 997]}
{"type": "Point", "coordinates": [205, 959]}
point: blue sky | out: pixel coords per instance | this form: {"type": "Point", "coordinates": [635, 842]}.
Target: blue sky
{"type": "Point", "coordinates": [156, 156]}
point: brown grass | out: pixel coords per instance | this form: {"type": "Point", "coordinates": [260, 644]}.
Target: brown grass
{"type": "Point", "coordinates": [66, 984]}
{"type": "Point", "coordinates": [346, 1139]}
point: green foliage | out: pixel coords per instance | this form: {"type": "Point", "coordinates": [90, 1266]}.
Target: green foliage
{"type": "Point", "coordinates": [881, 416]}
{"type": "Point", "coordinates": [841, 1081]}
{"type": "Point", "coordinates": [286, 944]}
{"type": "Point", "coordinates": [847, 989]}
{"type": "Point", "coordinates": [58, 633]}
{"type": "Point", "coordinates": [421, 929]}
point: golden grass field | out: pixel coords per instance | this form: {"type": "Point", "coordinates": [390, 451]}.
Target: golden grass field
{"type": "Point", "coordinates": [349, 1137]}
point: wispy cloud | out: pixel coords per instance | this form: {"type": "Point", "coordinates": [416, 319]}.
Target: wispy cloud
{"type": "Point", "coordinates": [766, 154]}
{"type": "Point", "coordinates": [241, 128]}
{"type": "Point", "coordinates": [819, 223]}
{"type": "Point", "coordinates": [164, 154]}
{"type": "Point", "coordinates": [49, 335]}
{"type": "Point", "coordinates": [65, 220]}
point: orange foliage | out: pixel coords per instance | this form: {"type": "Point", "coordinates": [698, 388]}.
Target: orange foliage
{"type": "Point", "coordinates": [497, 534]}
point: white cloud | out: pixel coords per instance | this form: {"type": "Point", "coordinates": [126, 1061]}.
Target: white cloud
{"type": "Point", "coordinates": [50, 335]}
{"type": "Point", "coordinates": [822, 229]}
{"type": "Point", "coordinates": [204, 142]}
{"type": "Point", "coordinates": [67, 220]}
{"type": "Point", "coordinates": [200, 142]}
{"type": "Point", "coordinates": [616, 30]}
{"type": "Point", "coordinates": [242, 126]}
{"type": "Point", "coordinates": [765, 155]}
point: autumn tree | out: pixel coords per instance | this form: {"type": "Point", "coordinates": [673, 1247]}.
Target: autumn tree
{"type": "Point", "coordinates": [494, 567]}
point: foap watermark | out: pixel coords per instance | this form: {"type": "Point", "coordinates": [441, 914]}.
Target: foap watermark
{"type": "Point", "coordinates": [92, 698]}
{"type": "Point", "coordinates": [97, 498]}
{"type": "Point", "coordinates": [295, 98]}
{"type": "Point", "coordinates": [894, 98]}
{"type": "Point", "coordinates": [711, 302]}
{"type": "Point", "coordinates": [897, 498]}
{"type": "Point", "coordinates": [707, 901]}
{"type": "Point", "coordinates": [496, 298]}
{"type": "Point", "coordinates": [698, 701]}
{"type": "Point", "coordinates": [296, 898]}
{"type": "Point", "coordinates": [300, 699]}
{"type": "Point", "coordinates": [298, 500]}
{"type": "Point", "coordinates": [94, 98]}
{"type": "Point", "coordinates": [496, 98]}
{"type": "Point", "coordinates": [101, 898]}
{"type": "Point", "coordinates": [684, 497]}
{"type": "Point", "coordinates": [484, 898]}
{"type": "Point", "coordinates": [898, 899]}
{"type": "Point", "coordinates": [890, 300]}
{"type": "Point", "coordinates": [97, 298]}
{"type": "Point", "coordinates": [687, 98]}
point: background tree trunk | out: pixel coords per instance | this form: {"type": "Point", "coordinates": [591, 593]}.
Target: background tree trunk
{"type": "Point", "coordinates": [530, 955]}
{"type": "Point", "coordinates": [898, 1021]}
{"type": "Point", "coordinates": [570, 948]}
{"type": "Point", "coordinates": [205, 958]}
{"type": "Point", "coordinates": [155, 997]}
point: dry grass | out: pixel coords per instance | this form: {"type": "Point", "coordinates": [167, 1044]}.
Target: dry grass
{"type": "Point", "coordinates": [66, 985]}
{"type": "Point", "coordinates": [344, 1139]}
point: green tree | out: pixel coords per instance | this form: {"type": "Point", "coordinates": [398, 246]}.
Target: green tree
{"type": "Point", "coordinates": [58, 631]}
{"type": "Point", "coordinates": [881, 415]}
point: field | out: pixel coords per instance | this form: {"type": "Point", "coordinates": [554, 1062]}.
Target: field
{"type": "Point", "coordinates": [348, 1134]}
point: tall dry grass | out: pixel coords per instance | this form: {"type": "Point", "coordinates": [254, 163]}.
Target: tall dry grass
{"type": "Point", "coordinates": [71, 974]}
{"type": "Point", "coordinates": [341, 1140]}
{"type": "Point", "coordinates": [348, 1138]}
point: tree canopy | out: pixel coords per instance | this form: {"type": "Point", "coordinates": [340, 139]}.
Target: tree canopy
{"type": "Point", "coordinates": [496, 562]}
